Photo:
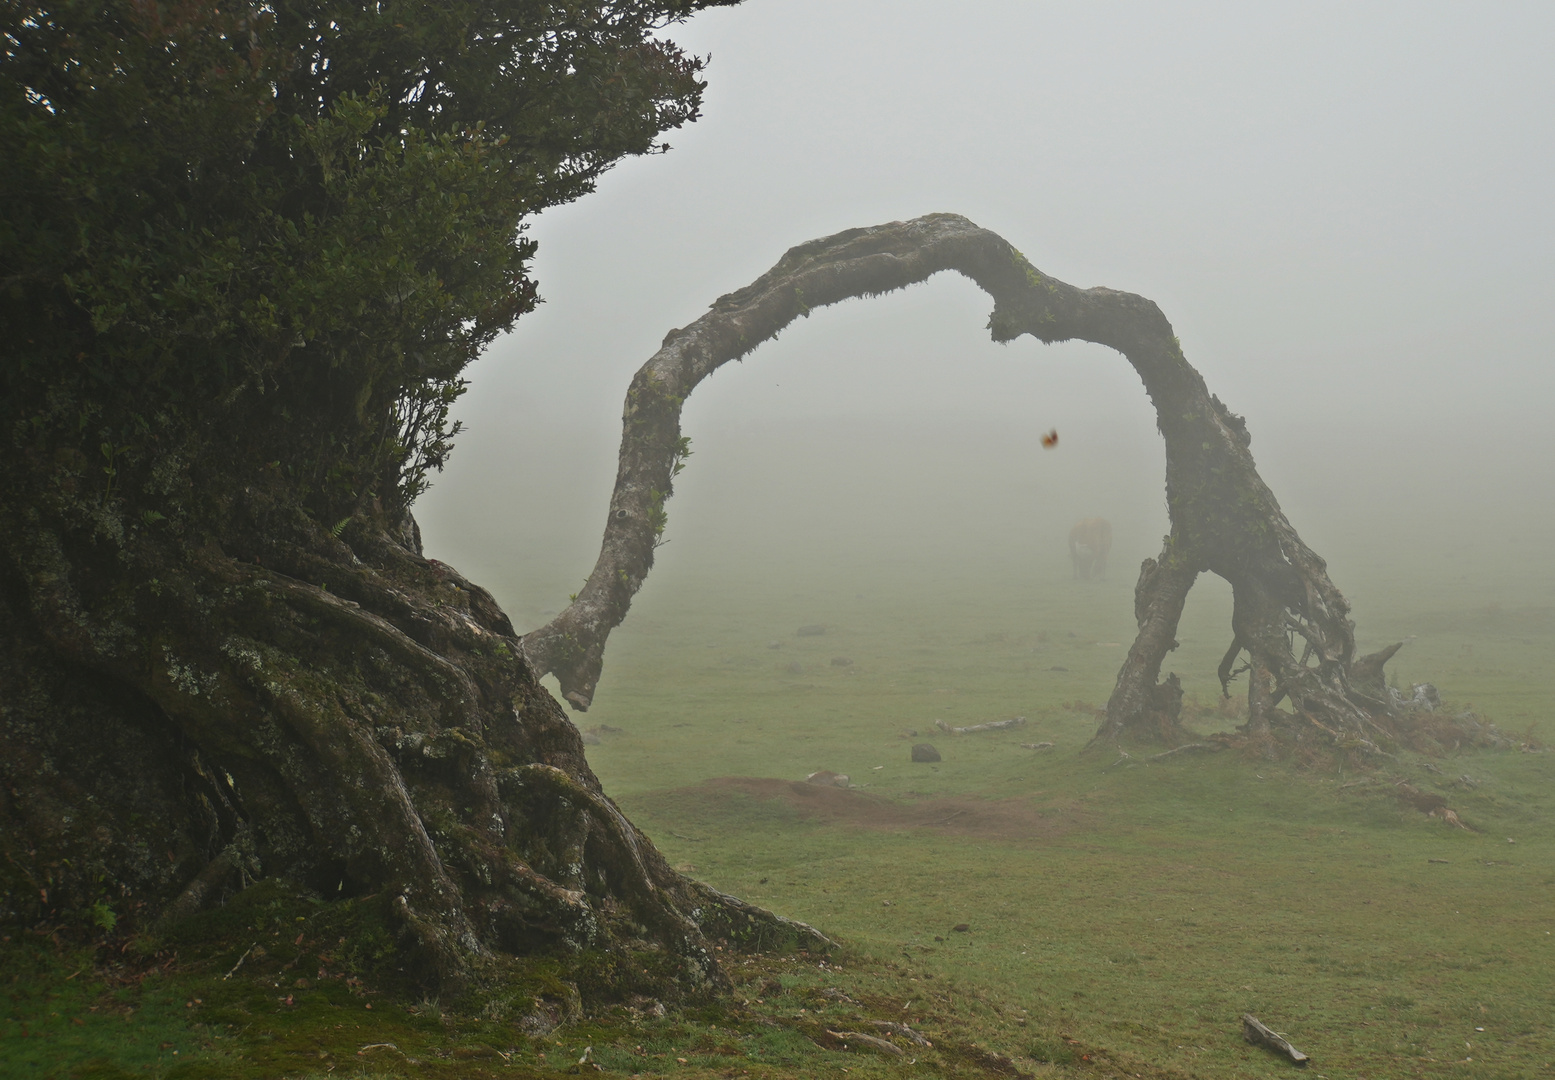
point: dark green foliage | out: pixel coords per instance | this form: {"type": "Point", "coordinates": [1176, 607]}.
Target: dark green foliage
{"type": "Point", "coordinates": [254, 236]}
{"type": "Point", "coordinates": [245, 254]}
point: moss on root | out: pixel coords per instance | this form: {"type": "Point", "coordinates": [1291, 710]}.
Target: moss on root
{"type": "Point", "coordinates": [280, 982]}
{"type": "Point", "coordinates": [327, 707]}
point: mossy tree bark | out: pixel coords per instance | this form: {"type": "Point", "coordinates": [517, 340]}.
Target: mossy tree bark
{"type": "Point", "coordinates": [1224, 519]}
{"type": "Point", "coordinates": [182, 714]}
{"type": "Point", "coordinates": [249, 251]}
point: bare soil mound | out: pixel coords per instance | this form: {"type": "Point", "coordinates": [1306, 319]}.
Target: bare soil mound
{"type": "Point", "coordinates": [1009, 819]}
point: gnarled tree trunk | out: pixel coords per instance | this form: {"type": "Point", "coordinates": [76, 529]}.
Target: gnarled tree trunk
{"type": "Point", "coordinates": [1224, 518]}
{"type": "Point", "coordinates": [181, 714]}
{"type": "Point", "coordinates": [248, 251]}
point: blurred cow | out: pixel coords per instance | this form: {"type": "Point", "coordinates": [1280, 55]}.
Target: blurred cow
{"type": "Point", "coordinates": [1089, 542]}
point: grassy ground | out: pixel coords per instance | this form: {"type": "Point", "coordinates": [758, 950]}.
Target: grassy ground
{"type": "Point", "coordinates": [1139, 906]}
{"type": "Point", "coordinates": [1120, 914]}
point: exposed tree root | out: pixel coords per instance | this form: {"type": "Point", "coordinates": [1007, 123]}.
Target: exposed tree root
{"type": "Point", "coordinates": [335, 710]}
{"type": "Point", "coordinates": [1406, 727]}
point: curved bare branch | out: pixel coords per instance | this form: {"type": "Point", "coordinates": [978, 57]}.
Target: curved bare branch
{"type": "Point", "coordinates": [1224, 518]}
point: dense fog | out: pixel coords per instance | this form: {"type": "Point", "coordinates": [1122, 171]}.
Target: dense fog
{"type": "Point", "coordinates": [1343, 212]}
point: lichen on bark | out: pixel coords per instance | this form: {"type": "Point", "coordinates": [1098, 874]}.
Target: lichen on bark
{"type": "Point", "coordinates": [337, 710]}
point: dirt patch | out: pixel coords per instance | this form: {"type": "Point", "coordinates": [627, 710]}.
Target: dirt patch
{"type": "Point", "coordinates": [1017, 818]}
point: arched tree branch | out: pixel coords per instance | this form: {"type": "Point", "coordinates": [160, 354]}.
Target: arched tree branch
{"type": "Point", "coordinates": [1224, 518]}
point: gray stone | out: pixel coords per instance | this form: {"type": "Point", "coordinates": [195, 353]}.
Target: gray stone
{"type": "Point", "coordinates": [925, 752]}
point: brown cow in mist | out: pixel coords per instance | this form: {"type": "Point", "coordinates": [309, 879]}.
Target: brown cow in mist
{"type": "Point", "coordinates": [1089, 542]}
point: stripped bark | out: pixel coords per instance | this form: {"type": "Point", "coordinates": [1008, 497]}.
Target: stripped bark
{"type": "Point", "coordinates": [972, 729]}
{"type": "Point", "coordinates": [1224, 519]}
{"type": "Point", "coordinates": [895, 1028]}
{"type": "Point", "coordinates": [1259, 1034]}
{"type": "Point", "coordinates": [874, 1042]}
{"type": "Point", "coordinates": [1188, 748]}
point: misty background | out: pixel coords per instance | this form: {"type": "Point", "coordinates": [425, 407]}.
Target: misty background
{"type": "Point", "coordinates": [1344, 210]}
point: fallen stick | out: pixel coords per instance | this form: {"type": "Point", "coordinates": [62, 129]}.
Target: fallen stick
{"type": "Point", "coordinates": [239, 964]}
{"type": "Point", "coordinates": [1259, 1035]}
{"type": "Point", "coordinates": [997, 725]}
{"type": "Point", "coordinates": [1450, 816]}
{"type": "Point", "coordinates": [1207, 747]}
{"type": "Point", "coordinates": [1123, 755]}
{"type": "Point", "coordinates": [885, 1046]}
{"type": "Point", "coordinates": [901, 1029]}
{"type": "Point", "coordinates": [1036, 746]}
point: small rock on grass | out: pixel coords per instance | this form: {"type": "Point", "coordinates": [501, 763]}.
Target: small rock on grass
{"type": "Point", "coordinates": [827, 778]}
{"type": "Point", "coordinates": [925, 752]}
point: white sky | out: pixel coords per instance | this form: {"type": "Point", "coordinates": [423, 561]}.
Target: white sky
{"type": "Point", "coordinates": [1345, 209]}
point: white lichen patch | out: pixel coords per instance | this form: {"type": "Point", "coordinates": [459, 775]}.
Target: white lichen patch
{"type": "Point", "coordinates": [187, 678]}
{"type": "Point", "coordinates": [243, 652]}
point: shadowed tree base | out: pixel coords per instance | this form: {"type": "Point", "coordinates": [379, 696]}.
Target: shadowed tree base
{"type": "Point", "coordinates": [1224, 519]}
{"type": "Point", "coordinates": [180, 719]}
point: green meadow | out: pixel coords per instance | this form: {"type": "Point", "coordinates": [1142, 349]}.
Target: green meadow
{"type": "Point", "coordinates": [1118, 914]}
{"type": "Point", "coordinates": [1141, 906]}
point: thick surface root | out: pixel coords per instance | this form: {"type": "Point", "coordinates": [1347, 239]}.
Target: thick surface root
{"type": "Point", "coordinates": [335, 710]}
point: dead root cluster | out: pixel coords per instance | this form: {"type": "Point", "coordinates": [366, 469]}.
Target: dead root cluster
{"type": "Point", "coordinates": [1417, 722]}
